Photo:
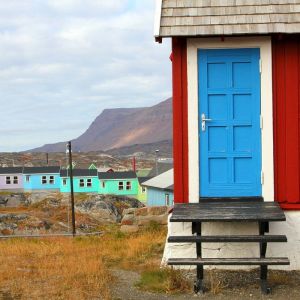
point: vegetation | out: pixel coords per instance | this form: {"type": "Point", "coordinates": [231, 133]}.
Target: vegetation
{"type": "Point", "coordinates": [79, 268]}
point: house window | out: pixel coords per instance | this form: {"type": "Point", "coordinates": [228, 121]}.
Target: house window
{"type": "Point", "coordinates": [128, 185]}
{"type": "Point", "coordinates": [16, 180]}
{"type": "Point", "coordinates": [81, 182]}
{"type": "Point", "coordinates": [51, 180]}
{"type": "Point", "coordinates": [167, 199]}
{"type": "Point", "coordinates": [64, 181]}
{"type": "Point", "coordinates": [143, 189]}
{"type": "Point", "coordinates": [8, 181]}
{"type": "Point", "coordinates": [44, 179]}
{"type": "Point", "coordinates": [89, 182]}
{"type": "Point", "coordinates": [121, 185]}
{"type": "Point", "coordinates": [103, 184]}
{"type": "Point", "coordinates": [27, 178]}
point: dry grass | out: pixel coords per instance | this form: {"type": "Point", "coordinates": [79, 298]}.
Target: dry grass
{"type": "Point", "coordinates": [74, 268]}
{"type": "Point", "coordinates": [217, 285]}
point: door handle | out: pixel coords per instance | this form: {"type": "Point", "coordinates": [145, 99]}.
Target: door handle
{"type": "Point", "coordinates": [203, 122]}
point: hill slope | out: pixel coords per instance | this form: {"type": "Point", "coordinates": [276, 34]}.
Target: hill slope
{"type": "Point", "coordinates": [115, 128]}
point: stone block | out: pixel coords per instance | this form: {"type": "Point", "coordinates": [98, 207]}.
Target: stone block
{"type": "Point", "coordinates": [161, 220]}
{"type": "Point", "coordinates": [141, 211]}
{"type": "Point", "coordinates": [128, 220]}
{"type": "Point", "coordinates": [157, 210]}
{"type": "Point", "coordinates": [129, 228]}
{"type": "Point", "coordinates": [129, 211]}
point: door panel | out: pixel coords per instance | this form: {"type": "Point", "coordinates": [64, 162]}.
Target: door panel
{"type": "Point", "coordinates": [230, 136]}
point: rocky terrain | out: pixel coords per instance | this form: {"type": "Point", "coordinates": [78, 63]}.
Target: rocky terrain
{"type": "Point", "coordinates": [115, 128]}
{"type": "Point", "coordinates": [49, 212]}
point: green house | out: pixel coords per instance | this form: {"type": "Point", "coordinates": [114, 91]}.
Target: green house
{"type": "Point", "coordinates": [84, 181]}
{"type": "Point", "coordinates": [142, 190]}
{"type": "Point", "coordinates": [118, 183]}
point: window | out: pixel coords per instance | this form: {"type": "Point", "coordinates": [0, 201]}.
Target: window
{"type": "Point", "coordinates": [51, 180]}
{"type": "Point", "coordinates": [121, 185]}
{"type": "Point", "coordinates": [8, 181]}
{"type": "Point", "coordinates": [128, 185]}
{"type": "Point", "coordinates": [81, 182]}
{"type": "Point", "coordinates": [167, 199]}
{"type": "Point", "coordinates": [16, 180]}
{"type": "Point", "coordinates": [44, 179]}
{"type": "Point", "coordinates": [64, 181]}
{"type": "Point", "coordinates": [103, 184]}
{"type": "Point", "coordinates": [143, 189]}
{"type": "Point", "coordinates": [89, 182]}
{"type": "Point", "coordinates": [27, 178]}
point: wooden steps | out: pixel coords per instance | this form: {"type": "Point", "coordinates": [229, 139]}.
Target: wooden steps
{"type": "Point", "coordinates": [229, 210]}
{"type": "Point", "coordinates": [229, 261]}
{"type": "Point", "coordinates": [228, 239]}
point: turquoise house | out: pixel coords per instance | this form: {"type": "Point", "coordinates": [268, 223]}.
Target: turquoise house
{"type": "Point", "coordinates": [84, 181]}
{"type": "Point", "coordinates": [41, 178]}
{"type": "Point", "coordinates": [118, 183]}
{"type": "Point", "coordinates": [160, 189]}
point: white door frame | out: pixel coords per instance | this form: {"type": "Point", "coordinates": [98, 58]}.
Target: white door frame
{"type": "Point", "coordinates": [265, 46]}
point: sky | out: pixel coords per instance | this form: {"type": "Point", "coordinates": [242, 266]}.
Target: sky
{"type": "Point", "coordinates": [63, 61]}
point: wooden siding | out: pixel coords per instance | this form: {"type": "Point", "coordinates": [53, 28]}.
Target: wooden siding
{"type": "Point", "coordinates": [227, 17]}
{"type": "Point", "coordinates": [286, 93]}
{"type": "Point", "coordinates": [180, 120]}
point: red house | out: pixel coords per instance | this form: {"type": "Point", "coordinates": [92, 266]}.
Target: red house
{"type": "Point", "coordinates": [236, 112]}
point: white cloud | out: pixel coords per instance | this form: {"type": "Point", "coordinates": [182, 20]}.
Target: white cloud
{"type": "Point", "coordinates": [63, 61]}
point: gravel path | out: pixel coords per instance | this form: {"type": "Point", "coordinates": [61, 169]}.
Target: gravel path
{"type": "Point", "coordinates": [228, 285]}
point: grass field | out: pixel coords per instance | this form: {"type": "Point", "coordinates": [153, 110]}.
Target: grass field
{"type": "Point", "coordinates": [75, 268]}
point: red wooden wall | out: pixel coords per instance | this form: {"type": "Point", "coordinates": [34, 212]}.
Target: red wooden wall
{"type": "Point", "coordinates": [286, 101]}
{"type": "Point", "coordinates": [180, 120]}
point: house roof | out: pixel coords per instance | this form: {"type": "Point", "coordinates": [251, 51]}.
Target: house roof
{"type": "Point", "coordinates": [11, 170]}
{"type": "Point", "coordinates": [143, 179]}
{"type": "Point", "coordinates": [117, 175]}
{"type": "Point", "coordinates": [79, 172]}
{"type": "Point", "coordinates": [162, 166]}
{"type": "Point", "coordinates": [226, 17]}
{"type": "Point", "coordinates": [41, 170]}
{"type": "Point", "coordinates": [163, 181]}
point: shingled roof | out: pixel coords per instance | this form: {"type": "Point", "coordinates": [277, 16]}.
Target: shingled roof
{"type": "Point", "coordinates": [11, 170]}
{"type": "Point", "coordinates": [227, 17]}
{"type": "Point", "coordinates": [79, 173]}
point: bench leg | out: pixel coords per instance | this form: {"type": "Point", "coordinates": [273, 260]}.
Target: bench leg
{"type": "Point", "coordinates": [198, 287]}
{"type": "Point", "coordinates": [263, 280]}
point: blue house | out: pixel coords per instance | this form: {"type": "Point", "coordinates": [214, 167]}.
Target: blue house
{"type": "Point", "coordinates": [41, 178]}
{"type": "Point", "coordinates": [160, 189]}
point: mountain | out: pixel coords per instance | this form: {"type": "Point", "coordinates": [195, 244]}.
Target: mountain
{"type": "Point", "coordinates": [120, 127]}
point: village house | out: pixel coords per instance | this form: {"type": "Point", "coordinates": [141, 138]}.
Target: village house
{"type": "Point", "coordinates": [160, 189]}
{"type": "Point", "coordinates": [41, 178]}
{"type": "Point", "coordinates": [236, 107]}
{"type": "Point", "coordinates": [11, 178]}
{"type": "Point", "coordinates": [118, 183]}
{"type": "Point", "coordinates": [84, 181]}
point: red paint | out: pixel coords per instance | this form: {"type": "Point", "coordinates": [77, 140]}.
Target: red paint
{"type": "Point", "coordinates": [180, 120]}
{"type": "Point", "coordinates": [133, 164]}
{"type": "Point", "coordinates": [286, 100]}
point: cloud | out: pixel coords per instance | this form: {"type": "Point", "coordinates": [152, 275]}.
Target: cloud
{"type": "Point", "coordinates": [63, 61]}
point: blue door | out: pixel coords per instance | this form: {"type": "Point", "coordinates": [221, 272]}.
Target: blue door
{"type": "Point", "coordinates": [229, 122]}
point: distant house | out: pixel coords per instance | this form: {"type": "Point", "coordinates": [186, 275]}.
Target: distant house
{"type": "Point", "coordinates": [105, 169]}
{"type": "Point", "coordinates": [142, 190]}
{"type": "Point", "coordinates": [118, 183]}
{"type": "Point", "coordinates": [160, 189]}
{"type": "Point", "coordinates": [41, 178]}
{"type": "Point", "coordinates": [11, 178]}
{"type": "Point", "coordinates": [84, 181]}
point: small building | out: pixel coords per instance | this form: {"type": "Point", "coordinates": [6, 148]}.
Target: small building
{"type": "Point", "coordinates": [41, 178]}
{"type": "Point", "coordinates": [142, 190]}
{"type": "Point", "coordinates": [160, 189]}
{"type": "Point", "coordinates": [11, 178]}
{"type": "Point", "coordinates": [236, 108]}
{"type": "Point", "coordinates": [118, 183]}
{"type": "Point", "coordinates": [84, 181]}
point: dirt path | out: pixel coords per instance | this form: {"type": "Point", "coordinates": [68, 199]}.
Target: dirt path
{"type": "Point", "coordinates": [227, 285]}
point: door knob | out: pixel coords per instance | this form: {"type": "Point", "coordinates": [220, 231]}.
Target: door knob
{"type": "Point", "coordinates": [203, 121]}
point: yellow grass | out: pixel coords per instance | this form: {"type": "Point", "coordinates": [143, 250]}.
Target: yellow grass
{"type": "Point", "coordinates": [66, 268]}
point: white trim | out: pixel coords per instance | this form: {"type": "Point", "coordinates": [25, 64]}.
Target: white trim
{"type": "Point", "coordinates": [157, 17]}
{"type": "Point", "coordinates": [264, 43]}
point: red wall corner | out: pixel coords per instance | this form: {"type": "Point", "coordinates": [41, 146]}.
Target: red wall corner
{"type": "Point", "coordinates": [180, 120]}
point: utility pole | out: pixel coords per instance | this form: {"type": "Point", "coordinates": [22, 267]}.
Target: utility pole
{"type": "Point", "coordinates": [69, 149]}
{"type": "Point", "coordinates": [47, 158]}
{"type": "Point", "coordinates": [156, 166]}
